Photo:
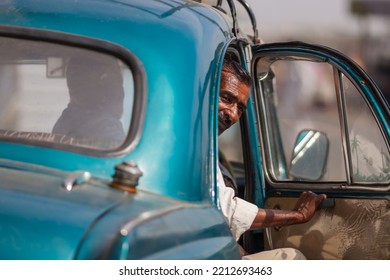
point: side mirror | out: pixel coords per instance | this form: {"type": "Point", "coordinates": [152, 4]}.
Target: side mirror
{"type": "Point", "coordinates": [309, 156]}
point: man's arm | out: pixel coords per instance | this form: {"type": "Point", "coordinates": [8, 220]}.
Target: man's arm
{"type": "Point", "coordinates": [303, 211]}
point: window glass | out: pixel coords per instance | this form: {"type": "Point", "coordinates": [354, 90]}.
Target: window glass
{"type": "Point", "coordinates": [230, 144]}
{"type": "Point", "coordinates": [369, 154]}
{"type": "Point", "coordinates": [300, 98]}
{"type": "Point", "coordinates": [52, 93]}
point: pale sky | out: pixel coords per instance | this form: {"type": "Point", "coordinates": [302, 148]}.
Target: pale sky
{"type": "Point", "coordinates": [312, 16]}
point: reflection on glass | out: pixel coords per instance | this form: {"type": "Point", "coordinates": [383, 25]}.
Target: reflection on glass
{"type": "Point", "coordinates": [369, 154]}
{"type": "Point", "coordinates": [54, 93]}
{"type": "Point", "coordinates": [301, 96]}
{"type": "Point", "coordinates": [309, 156]}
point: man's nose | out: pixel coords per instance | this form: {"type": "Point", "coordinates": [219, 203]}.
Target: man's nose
{"type": "Point", "coordinates": [233, 114]}
{"type": "Point", "coordinates": [226, 118]}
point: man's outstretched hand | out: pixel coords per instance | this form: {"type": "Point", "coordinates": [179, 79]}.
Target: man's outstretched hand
{"type": "Point", "coordinates": [307, 204]}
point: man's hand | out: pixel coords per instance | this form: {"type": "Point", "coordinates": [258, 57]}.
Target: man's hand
{"type": "Point", "coordinates": [303, 211]}
{"type": "Point", "coordinates": [307, 204]}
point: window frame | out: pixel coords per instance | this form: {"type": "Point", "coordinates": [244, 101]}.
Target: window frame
{"type": "Point", "coordinates": [133, 134]}
{"type": "Point", "coordinates": [341, 64]}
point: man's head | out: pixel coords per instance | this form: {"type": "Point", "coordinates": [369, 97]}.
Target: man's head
{"type": "Point", "coordinates": [95, 83]}
{"type": "Point", "coordinates": [233, 94]}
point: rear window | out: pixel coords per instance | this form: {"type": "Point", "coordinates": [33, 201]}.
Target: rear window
{"type": "Point", "coordinates": [64, 95]}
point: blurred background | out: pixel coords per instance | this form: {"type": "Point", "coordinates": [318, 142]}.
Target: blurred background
{"type": "Point", "coordinates": [358, 28]}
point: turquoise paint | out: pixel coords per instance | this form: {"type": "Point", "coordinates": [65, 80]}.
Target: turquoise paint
{"type": "Point", "coordinates": [174, 148]}
{"type": "Point", "coordinates": [179, 45]}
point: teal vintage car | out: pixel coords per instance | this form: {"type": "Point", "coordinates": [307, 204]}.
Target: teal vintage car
{"type": "Point", "coordinates": [109, 144]}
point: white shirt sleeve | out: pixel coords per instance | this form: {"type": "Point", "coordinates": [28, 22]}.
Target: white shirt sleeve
{"type": "Point", "coordinates": [239, 213]}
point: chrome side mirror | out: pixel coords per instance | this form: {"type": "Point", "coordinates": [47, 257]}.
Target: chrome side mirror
{"type": "Point", "coordinates": [310, 155]}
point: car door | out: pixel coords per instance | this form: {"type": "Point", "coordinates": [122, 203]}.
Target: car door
{"type": "Point", "coordinates": [324, 126]}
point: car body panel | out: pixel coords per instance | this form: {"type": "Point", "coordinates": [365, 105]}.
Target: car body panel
{"type": "Point", "coordinates": [94, 221]}
{"type": "Point", "coordinates": [185, 49]}
{"type": "Point", "coordinates": [172, 214]}
{"type": "Point", "coordinates": [175, 229]}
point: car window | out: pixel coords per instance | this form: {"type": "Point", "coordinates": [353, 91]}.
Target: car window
{"type": "Point", "coordinates": [53, 93]}
{"type": "Point", "coordinates": [369, 155]}
{"type": "Point", "coordinates": [303, 98]}
{"type": "Point", "coordinates": [302, 112]}
{"type": "Point", "coordinates": [230, 144]}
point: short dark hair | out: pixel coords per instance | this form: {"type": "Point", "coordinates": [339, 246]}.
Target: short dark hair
{"type": "Point", "coordinates": [232, 65]}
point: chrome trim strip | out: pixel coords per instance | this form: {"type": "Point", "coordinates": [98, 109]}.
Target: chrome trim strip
{"type": "Point", "coordinates": [343, 123]}
{"type": "Point", "coordinates": [268, 233]}
{"type": "Point", "coordinates": [76, 178]}
{"type": "Point", "coordinates": [124, 231]}
{"type": "Point", "coordinates": [361, 188]}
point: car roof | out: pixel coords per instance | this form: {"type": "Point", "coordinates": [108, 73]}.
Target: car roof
{"type": "Point", "coordinates": [142, 21]}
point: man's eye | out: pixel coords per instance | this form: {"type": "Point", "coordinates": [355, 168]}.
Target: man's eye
{"type": "Point", "coordinates": [241, 109]}
{"type": "Point", "coordinates": [226, 98]}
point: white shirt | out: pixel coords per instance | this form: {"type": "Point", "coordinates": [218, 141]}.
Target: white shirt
{"type": "Point", "coordinates": [239, 213]}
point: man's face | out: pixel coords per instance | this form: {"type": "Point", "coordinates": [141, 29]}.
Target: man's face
{"type": "Point", "coordinates": [233, 97]}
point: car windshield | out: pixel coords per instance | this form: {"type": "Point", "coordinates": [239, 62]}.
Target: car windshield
{"type": "Point", "coordinates": [63, 95]}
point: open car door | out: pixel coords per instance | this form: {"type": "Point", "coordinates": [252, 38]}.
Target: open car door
{"type": "Point", "coordinates": [324, 126]}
